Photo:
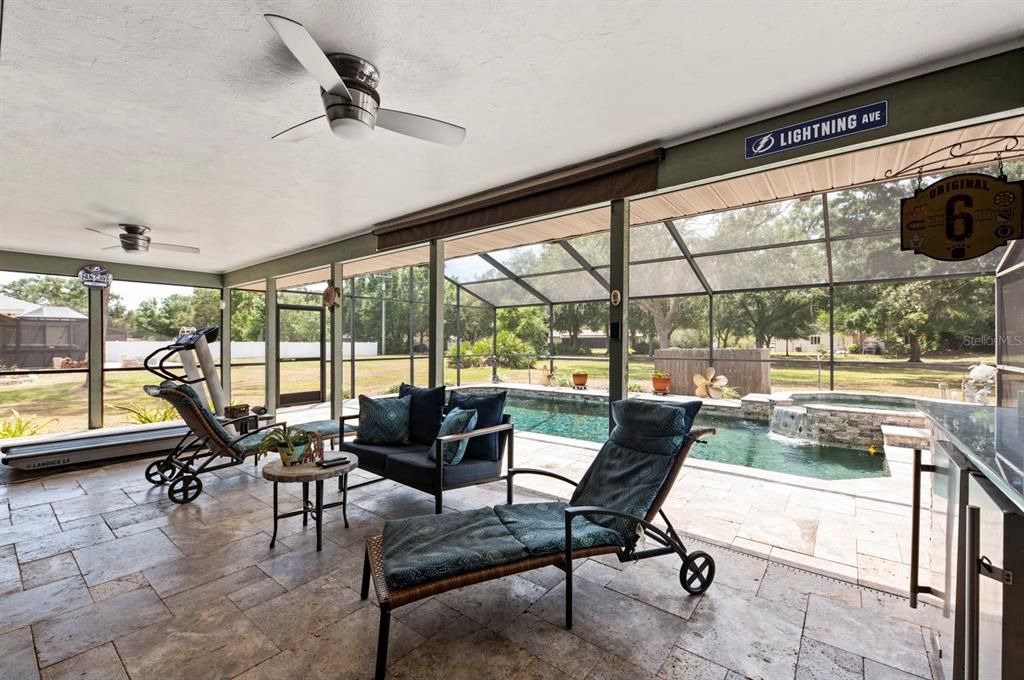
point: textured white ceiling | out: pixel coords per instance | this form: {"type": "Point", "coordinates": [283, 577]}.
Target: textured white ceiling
{"type": "Point", "coordinates": [161, 111]}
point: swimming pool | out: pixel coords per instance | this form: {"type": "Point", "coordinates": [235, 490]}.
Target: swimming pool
{"type": "Point", "coordinates": [736, 442]}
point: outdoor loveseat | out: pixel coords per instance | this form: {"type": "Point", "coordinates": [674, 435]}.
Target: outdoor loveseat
{"type": "Point", "coordinates": [411, 463]}
{"type": "Point", "coordinates": [616, 501]}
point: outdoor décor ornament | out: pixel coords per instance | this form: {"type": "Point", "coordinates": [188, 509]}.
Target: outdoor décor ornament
{"type": "Point", "coordinates": [709, 385]}
{"type": "Point", "coordinates": [95, 276]}
{"type": "Point", "coordinates": [979, 383]}
{"type": "Point", "coordinates": [962, 217]}
{"type": "Point", "coordinates": [331, 295]}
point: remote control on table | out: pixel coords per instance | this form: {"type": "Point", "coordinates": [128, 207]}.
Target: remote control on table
{"type": "Point", "coordinates": [332, 462]}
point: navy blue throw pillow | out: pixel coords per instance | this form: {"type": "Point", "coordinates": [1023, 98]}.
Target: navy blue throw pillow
{"type": "Point", "coordinates": [489, 410]}
{"type": "Point", "coordinates": [425, 412]}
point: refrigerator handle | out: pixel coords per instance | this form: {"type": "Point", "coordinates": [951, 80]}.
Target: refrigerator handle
{"type": "Point", "coordinates": [971, 602]}
{"type": "Point", "coordinates": [915, 529]}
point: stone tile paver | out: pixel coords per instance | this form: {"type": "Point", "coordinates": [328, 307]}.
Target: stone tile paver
{"type": "Point", "coordinates": [24, 607]}
{"type": "Point", "coordinates": [123, 556]}
{"type": "Point", "coordinates": [64, 636]}
{"type": "Point", "coordinates": [17, 655]}
{"type": "Point", "coordinates": [45, 545]}
{"type": "Point", "coordinates": [48, 570]}
{"type": "Point", "coordinates": [213, 641]}
{"type": "Point", "coordinates": [887, 640]}
{"type": "Point", "coordinates": [819, 661]}
{"type": "Point", "coordinates": [99, 663]}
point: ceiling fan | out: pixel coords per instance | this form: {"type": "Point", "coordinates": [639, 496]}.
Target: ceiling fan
{"type": "Point", "coordinates": [348, 89]}
{"type": "Point", "coordinates": [133, 239]}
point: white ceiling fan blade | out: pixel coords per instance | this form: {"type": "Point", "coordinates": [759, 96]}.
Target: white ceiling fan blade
{"type": "Point", "coordinates": [421, 127]}
{"type": "Point", "coordinates": [301, 44]}
{"type": "Point", "coordinates": [112, 232]}
{"type": "Point", "coordinates": [173, 247]}
{"type": "Point", "coordinates": [299, 132]}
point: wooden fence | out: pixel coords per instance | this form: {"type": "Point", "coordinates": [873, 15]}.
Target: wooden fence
{"type": "Point", "coordinates": [748, 370]}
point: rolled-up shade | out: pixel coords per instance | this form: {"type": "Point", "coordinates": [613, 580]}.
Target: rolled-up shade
{"type": "Point", "coordinates": [582, 185]}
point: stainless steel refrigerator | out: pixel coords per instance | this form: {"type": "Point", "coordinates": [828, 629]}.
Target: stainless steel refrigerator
{"type": "Point", "coordinates": [968, 566]}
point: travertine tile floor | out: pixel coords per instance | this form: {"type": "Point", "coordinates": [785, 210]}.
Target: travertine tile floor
{"type": "Point", "coordinates": [102, 577]}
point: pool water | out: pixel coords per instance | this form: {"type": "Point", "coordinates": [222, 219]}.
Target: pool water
{"type": "Point", "coordinates": [736, 441]}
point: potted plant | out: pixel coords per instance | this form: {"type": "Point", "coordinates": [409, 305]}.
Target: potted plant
{"type": "Point", "coordinates": [579, 378]}
{"type": "Point", "coordinates": [660, 382]}
{"type": "Point", "coordinates": [290, 444]}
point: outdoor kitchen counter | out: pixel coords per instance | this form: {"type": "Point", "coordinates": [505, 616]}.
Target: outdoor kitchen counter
{"type": "Point", "coordinates": [992, 439]}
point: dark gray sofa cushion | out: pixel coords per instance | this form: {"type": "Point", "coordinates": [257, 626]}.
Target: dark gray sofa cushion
{"type": "Point", "coordinates": [490, 410]}
{"type": "Point", "coordinates": [425, 412]}
{"type": "Point", "coordinates": [373, 457]}
{"type": "Point", "coordinates": [418, 471]}
{"type": "Point", "coordinates": [431, 547]}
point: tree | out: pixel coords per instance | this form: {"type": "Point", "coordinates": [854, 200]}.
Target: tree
{"type": "Point", "coordinates": [921, 313]}
{"type": "Point", "coordinates": [574, 318]}
{"type": "Point", "coordinates": [55, 291]}
{"type": "Point", "coordinates": [784, 314]}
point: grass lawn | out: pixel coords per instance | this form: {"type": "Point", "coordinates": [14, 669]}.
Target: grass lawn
{"type": "Point", "coordinates": [61, 398]}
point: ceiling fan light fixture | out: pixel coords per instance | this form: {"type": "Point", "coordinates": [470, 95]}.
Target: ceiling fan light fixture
{"type": "Point", "coordinates": [350, 129]}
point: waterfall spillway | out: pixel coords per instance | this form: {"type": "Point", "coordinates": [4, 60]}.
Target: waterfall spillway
{"type": "Point", "coordinates": [789, 421]}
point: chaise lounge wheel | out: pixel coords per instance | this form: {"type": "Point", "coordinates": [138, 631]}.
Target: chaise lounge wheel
{"type": "Point", "coordinates": [697, 572]}
{"type": "Point", "coordinates": [159, 472]}
{"type": "Point", "coordinates": [185, 489]}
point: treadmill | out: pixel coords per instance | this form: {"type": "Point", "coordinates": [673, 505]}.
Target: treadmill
{"type": "Point", "coordinates": [35, 453]}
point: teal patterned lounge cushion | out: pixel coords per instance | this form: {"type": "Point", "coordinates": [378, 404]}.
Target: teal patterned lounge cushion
{"type": "Point", "coordinates": [541, 528]}
{"type": "Point", "coordinates": [457, 421]}
{"type": "Point", "coordinates": [383, 421]}
{"type": "Point", "coordinates": [634, 463]}
{"type": "Point", "coordinates": [431, 547]}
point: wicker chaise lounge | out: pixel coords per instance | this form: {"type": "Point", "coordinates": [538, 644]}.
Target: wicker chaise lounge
{"type": "Point", "coordinates": [613, 505]}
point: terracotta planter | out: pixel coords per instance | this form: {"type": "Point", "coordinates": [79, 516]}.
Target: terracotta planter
{"type": "Point", "coordinates": [579, 379]}
{"type": "Point", "coordinates": [661, 384]}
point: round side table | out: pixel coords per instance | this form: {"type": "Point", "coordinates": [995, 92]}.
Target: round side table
{"type": "Point", "coordinates": [276, 472]}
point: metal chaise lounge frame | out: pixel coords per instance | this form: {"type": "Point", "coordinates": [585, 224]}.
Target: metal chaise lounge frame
{"type": "Point", "coordinates": [696, 573]}
{"type": "Point", "coordinates": [206, 447]}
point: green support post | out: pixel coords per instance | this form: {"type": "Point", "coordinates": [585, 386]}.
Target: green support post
{"type": "Point", "coordinates": [435, 305]}
{"type": "Point", "coordinates": [94, 379]}
{"type": "Point", "coordinates": [337, 346]}
{"type": "Point", "coordinates": [225, 343]}
{"type": "Point", "coordinates": [270, 335]}
{"type": "Point", "coordinates": [618, 314]}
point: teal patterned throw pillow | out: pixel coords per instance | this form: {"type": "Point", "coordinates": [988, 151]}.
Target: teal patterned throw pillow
{"type": "Point", "coordinates": [383, 421]}
{"type": "Point", "coordinates": [456, 422]}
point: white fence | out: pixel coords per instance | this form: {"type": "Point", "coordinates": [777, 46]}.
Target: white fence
{"type": "Point", "coordinates": [129, 353]}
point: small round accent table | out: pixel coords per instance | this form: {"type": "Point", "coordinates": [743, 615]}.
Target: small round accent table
{"type": "Point", "coordinates": [276, 472]}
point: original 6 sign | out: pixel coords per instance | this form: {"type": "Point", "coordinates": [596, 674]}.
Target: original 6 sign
{"type": "Point", "coordinates": [962, 217]}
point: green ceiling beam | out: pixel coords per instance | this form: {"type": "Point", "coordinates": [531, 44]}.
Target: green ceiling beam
{"type": "Point", "coordinates": [31, 263]}
{"type": "Point", "coordinates": [321, 256]}
{"type": "Point", "coordinates": [980, 88]}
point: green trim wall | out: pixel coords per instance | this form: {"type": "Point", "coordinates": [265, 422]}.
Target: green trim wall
{"type": "Point", "coordinates": [321, 256]}
{"type": "Point", "coordinates": [960, 93]}
{"type": "Point", "coordinates": [30, 263]}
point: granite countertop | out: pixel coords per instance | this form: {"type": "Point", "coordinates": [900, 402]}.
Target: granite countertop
{"type": "Point", "coordinates": [991, 437]}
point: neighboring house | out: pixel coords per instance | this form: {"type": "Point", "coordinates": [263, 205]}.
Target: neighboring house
{"type": "Point", "coordinates": [32, 335]}
{"type": "Point", "coordinates": [818, 342]}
